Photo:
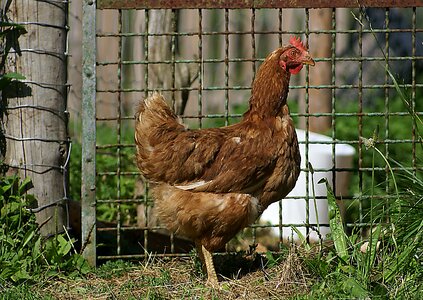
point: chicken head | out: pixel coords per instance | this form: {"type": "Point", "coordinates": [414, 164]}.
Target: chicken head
{"type": "Point", "coordinates": [295, 56]}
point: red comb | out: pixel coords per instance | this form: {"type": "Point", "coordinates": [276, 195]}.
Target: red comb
{"type": "Point", "coordinates": [296, 42]}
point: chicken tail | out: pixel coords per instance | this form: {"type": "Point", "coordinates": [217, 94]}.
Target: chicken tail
{"type": "Point", "coordinates": [153, 112]}
{"type": "Point", "coordinates": [155, 123]}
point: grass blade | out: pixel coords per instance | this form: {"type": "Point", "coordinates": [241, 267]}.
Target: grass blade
{"type": "Point", "coordinates": [335, 223]}
{"type": "Point", "coordinates": [302, 238]}
{"type": "Point", "coordinates": [401, 260]}
{"type": "Point", "coordinates": [371, 250]}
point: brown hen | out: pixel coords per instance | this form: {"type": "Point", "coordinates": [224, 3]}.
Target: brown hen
{"type": "Point", "coordinates": [208, 184]}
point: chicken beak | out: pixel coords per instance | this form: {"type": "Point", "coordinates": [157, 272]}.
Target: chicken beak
{"type": "Point", "coordinates": [308, 60]}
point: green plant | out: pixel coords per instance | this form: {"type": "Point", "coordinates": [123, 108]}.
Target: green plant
{"type": "Point", "coordinates": [17, 232]}
{"type": "Point", "coordinates": [388, 262]}
{"type": "Point", "coordinates": [403, 235]}
{"type": "Point", "coordinates": [24, 256]}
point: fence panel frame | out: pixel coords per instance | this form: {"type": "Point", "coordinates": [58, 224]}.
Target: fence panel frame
{"type": "Point", "coordinates": [89, 78]}
{"type": "Point", "coordinates": [88, 172]}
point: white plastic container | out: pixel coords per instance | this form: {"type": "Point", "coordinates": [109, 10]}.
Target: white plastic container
{"type": "Point", "coordinates": [294, 210]}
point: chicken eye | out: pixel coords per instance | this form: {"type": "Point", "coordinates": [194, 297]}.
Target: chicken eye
{"type": "Point", "coordinates": [294, 53]}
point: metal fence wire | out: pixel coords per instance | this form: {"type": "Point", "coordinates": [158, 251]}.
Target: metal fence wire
{"type": "Point", "coordinates": [364, 89]}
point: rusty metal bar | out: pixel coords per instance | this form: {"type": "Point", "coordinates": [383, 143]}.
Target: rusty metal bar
{"type": "Point", "coordinates": [333, 98]}
{"type": "Point", "coordinates": [227, 67]}
{"type": "Point", "coordinates": [173, 60]}
{"type": "Point", "coordinates": [146, 56]}
{"type": "Point", "coordinates": [413, 90]}
{"type": "Point", "coordinates": [217, 60]}
{"type": "Point", "coordinates": [118, 133]}
{"type": "Point", "coordinates": [214, 116]}
{"type": "Point", "coordinates": [200, 69]}
{"type": "Point", "coordinates": [240, 32]}
{"type": "Point", "coordinates": [307, 145]}
{"type": "Point", "coordinates": [360, 118]}
{"type": "Point", "coordinates": [387, 97]}
{"type": "Point", "coordinates": [354, 142]}
{"type": "Point", "coordinates": [253, 65]}
{"type": "Point", "coordinates": [176, 4]}
{"type": "Point", "coordinates": [280, 234]}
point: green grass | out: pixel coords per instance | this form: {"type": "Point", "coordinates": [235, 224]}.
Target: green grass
{"type": "Point", "coordinates": [23, 291]}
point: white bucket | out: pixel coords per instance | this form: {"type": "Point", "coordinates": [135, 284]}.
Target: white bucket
{"type": "Point", "coordinates": [294, 210]}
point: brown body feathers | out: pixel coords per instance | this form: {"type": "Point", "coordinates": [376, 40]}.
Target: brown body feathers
{"type": "Point", "coordinates": [210, 183]}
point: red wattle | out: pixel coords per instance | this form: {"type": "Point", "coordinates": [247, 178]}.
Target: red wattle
{"type": "Point", "coordinates": [296, 70]}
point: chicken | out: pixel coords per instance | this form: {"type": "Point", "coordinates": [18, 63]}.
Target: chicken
{"type": "Point", "coordinates": [208, 184]}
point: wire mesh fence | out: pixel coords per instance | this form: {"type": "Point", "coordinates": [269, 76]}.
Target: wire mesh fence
{"type": "Point", "coordinates": [364, 91]}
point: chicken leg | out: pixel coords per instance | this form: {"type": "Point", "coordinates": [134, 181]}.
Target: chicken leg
{"type": "Point", "coordinates": [207, 261]}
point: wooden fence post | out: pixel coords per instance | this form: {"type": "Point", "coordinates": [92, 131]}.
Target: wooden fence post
{"type": "Point", "coordinates": [36, 121]}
